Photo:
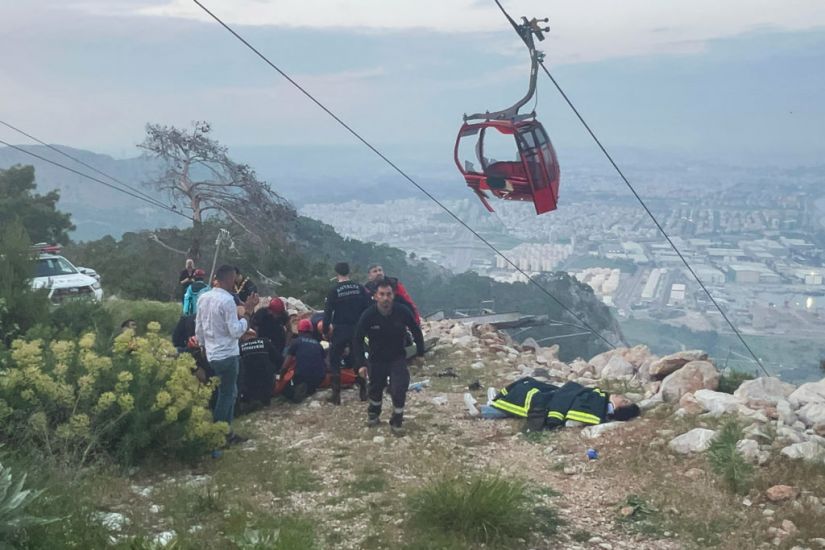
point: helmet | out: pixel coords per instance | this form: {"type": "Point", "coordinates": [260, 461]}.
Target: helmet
{"type": "Point", "coordinates": [199, 273]}
{"type": "Point", "coordinates": [304, 325]}
{"type": "Point", "coordinates": [276, 306]}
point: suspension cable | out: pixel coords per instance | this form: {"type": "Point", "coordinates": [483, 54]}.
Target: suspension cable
{"type": "Point", "coordinates": [645, 207]}
{"type": "Point", "coordinates": [98, 180]}
{"type": "Point", "coordinates": [402, 173]}
{"type": "Point", "coordinates": [87, 165]}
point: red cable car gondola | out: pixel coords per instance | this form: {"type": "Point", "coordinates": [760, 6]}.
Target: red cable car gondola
{"type": "Point", "coordinates": [534, 174]}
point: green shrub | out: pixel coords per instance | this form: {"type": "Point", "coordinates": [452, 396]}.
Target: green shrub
{"type": "Point", "coordinates": [732, 379]}
{"type": "Point", "coordinates": [14, 500]}
{"type": "Point", "coordinates": [144, 312]}
{"type": "Point", "coordinates": [74, 319]}
{"type": "Point", "coordinates": [71, 403]}
{"type": "Point", "coordinates": [479, 509]}
{"type": "Point", "coordinates": [726, 460]}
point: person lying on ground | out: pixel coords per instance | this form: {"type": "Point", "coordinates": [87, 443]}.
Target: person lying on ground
{"type": "Point", "coordinates": [546, 406]}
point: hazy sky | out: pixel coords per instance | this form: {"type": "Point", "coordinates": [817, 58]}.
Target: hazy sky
{"type": "Point", "coordinates": [727, 79]}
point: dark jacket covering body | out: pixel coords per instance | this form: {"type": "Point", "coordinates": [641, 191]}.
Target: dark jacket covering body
{"type": "Point", "coordinates": [386, 334]}
{"type": "Point", "coordinates": [549, 406]}
{"type": "Point", "coordinates": [345, 303]}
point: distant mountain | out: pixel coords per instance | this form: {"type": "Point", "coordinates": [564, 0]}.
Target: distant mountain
{"type": "Point", "coordinates": [96, 209]}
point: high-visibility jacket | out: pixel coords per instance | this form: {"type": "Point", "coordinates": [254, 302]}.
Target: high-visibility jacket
{"type": "Point", "coordinates": [517, 398]}
{"type": "Point", "coordinates": [549, 406]}
{"type": "Point", "coordinates": [572, 401]}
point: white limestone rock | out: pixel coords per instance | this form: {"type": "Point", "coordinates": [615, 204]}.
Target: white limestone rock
{"type": "Point", "coordinates": [696, 440]}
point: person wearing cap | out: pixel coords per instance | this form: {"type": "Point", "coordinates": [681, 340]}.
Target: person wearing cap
{"type": "Point", "coordinates": [271, 322]}
{"type": "Point", "coordinates": [193, 292]}
{"type": "Point", "coordinates": [259, 363]}
{"type": "Point", "coordinates": [218, 326]}
{"type": "Point", "coordinates": [306, 355]}
{"type": "Point", "coordinates": [345, 303]}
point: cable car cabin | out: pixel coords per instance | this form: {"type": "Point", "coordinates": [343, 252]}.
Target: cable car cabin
{"type": "Point", "coordinates": [534, 174]}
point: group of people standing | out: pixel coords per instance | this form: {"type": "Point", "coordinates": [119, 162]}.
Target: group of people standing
{"type": "Point", "coordinates": [367, 329]}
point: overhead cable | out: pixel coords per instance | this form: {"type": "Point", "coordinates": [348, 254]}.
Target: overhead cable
{"type": "Point", "coordinates": [403, 173]}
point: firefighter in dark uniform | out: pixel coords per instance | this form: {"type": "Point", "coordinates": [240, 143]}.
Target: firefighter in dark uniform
{"type": "Point", "coordinates": [546, 406]}
{"type": "Point", "coordinates": [385, 324]}
{"type": "Point", "coordinates": [345, 303]}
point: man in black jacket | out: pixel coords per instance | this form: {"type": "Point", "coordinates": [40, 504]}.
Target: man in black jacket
{"type": "Point", "coordinates": [385, 324]}
{"type": "Point", "coordinates": [345, 303]}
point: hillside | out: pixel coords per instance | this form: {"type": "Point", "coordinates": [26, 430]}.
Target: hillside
{"type": "Point", "coordinates": [325, 480]}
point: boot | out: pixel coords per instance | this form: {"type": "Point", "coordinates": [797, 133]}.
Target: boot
{"type": "Point", "coordinates": [335, 398]}
{"type": "Point", "coordinates": [395, 423]}
{"type": "Point", "coordinates": [362, 388]}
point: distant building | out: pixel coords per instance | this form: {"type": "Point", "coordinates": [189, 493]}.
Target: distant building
{"type": "Point", "coordinates": [677, 294]}
{"type": "Point", "coordinates": [753, 274]}
{"type": "Point", "coordinates": [649, 290]}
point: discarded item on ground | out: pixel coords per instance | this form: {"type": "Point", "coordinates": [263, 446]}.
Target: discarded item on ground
{"type": "Point", "coordinates": [474, 386]}
{"type": "Point", "coordinates": [418, 386]}
{"type": "Point", "coordinates": [592, 454]}
{"type": "Point", "coordinates": [447, 373]}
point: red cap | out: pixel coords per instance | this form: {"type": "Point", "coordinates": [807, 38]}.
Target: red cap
{"type": "Point", "coordinates": [304, 325]}
{"type": "Point", "coordinates": [200, 273]}
{"type": "Point", "coordinates": [276, 306]}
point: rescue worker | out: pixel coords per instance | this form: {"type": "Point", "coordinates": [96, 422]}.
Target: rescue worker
{"type": "Point", "coordinates": [244, 287]}
{"type": "Point", "coordinates": [385, 323]}
{"type": "Point", "coordinates": [375, 274]}
{"type": "Point", "coordinates": [193, 292]}
{"type": "Point", "coordinates": [271, 322]}
{"type": "Point", "coordinates": [345, 303]}
{"type": "Point", "coordinates": [546, 406]}
{"type": "Point", "coordinates": [306, 356]}
{"type": "Point", "coordinates": [259, 363]}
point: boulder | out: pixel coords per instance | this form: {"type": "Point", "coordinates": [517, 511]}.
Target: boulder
{"type": "Point", "coordinates": [780, 493]}
{"type": "Point", "coordinates": [651, 402]}
{"type": "Point", "coordinates": [696, 440]}
{"type": "Point", "coordinates": [812, 413]}
{"type": "Point", "coordinates": [749, 449]}
{"type": "Point", "coordinates": [671, 363]}
{"type": "Point", "coordinates": [808, 450]}
{"type": "Point", "coordinates": [530, 344]}
{"type": "Point", "coordinates": [811, 392]}
{"type": "Point", "coordinates": [789, 434]}
{"type": "Point", "coordinates": [592, 432]}
{"type": "Point", "coordinates": [582, 368]}
{"type": "Point", "coordinates": [465, 341]}
{"type": "Point", "coordinates": [717, 403]}
{"type": "Point", "coordinates": [637, 355]}
{"type": "Point", "coordinates": [784, 412]}
{"type": "Point", "coordinates": [695, 375]}
{"type": "Point", "coordinates": [616, 368]}
{"type": "Point", "coordinates": [690, 405]}
{"type": "Point", "coordinates": [600, 360]}
{"type": "Point", "coordinates": [550, 354]}
{"type": "Point", "coordinates": [767, 390]}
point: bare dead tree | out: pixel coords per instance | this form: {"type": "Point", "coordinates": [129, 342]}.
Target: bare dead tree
{"type": "Point", "coordinates": [201, 179]}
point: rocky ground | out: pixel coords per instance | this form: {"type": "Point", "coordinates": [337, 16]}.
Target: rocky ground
{"type": "Point", "coordinates": [650, 487]}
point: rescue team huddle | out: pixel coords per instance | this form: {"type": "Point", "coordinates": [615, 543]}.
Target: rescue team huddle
{"type": "Point", "coordinates": [364, 338]}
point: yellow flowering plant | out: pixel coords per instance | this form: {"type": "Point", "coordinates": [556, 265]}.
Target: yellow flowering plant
{"type": "Point", "coordinates": [72, 403]}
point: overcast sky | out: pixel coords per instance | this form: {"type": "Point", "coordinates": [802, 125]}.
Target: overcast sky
{"type": "Point", "coordinates": [723, 79]}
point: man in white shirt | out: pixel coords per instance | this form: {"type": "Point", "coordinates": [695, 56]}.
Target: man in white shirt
{"type": "Point", "coordinates": [218, 326]}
